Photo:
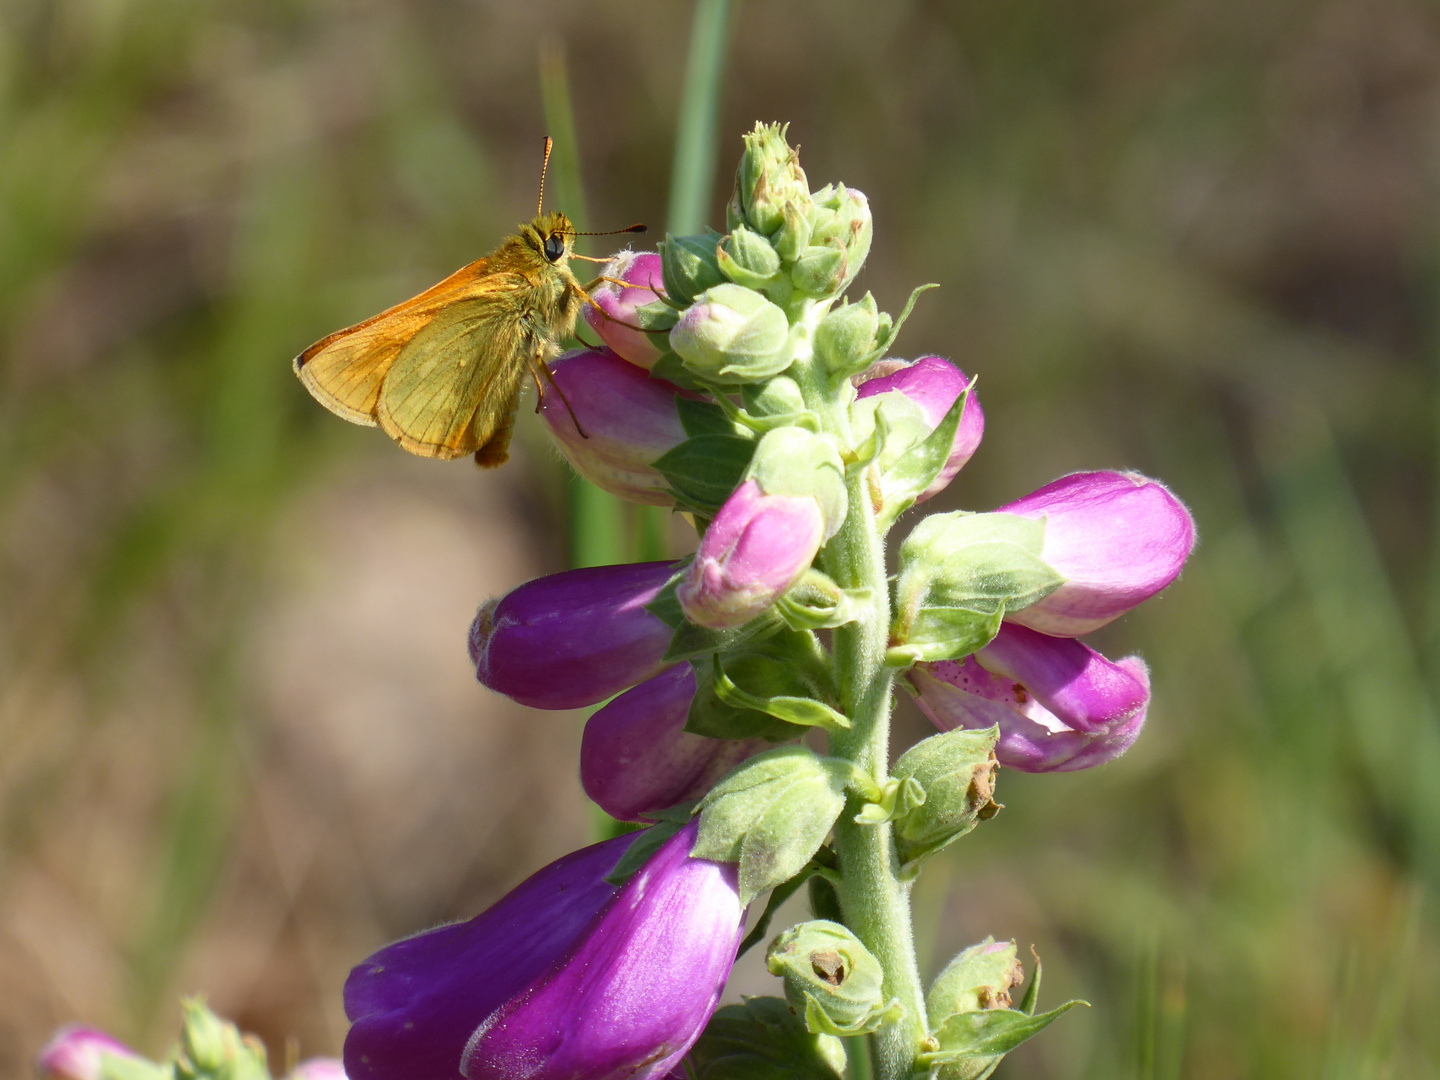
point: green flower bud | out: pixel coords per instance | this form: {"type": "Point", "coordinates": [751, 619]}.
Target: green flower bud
{"type": "Point", "coordinates": [841, 222]}
{"type": "Point", "coordinates": [831, 979]}
{"type": "Point", "coordinates": [793, 461]}
{"type": "Point", "coordinates": [779, 396]}
{"type": "Point", "coordinates": [732, 335]}
{"type": "Point", "coordinates": [214, 1049]}
{"type": "Point", "coordinates": [845, 337]}
{"type": "Point", "coordinates": [747, 258]}
{"type": "Point", "coordinates": [689, 265]}
{"type": "Point", "coordinates": [980, 977]}
{"type": "Point", "coordinates": [957, 772]}
{"type": "Point", "coordinates": [769, 176]}
{"type": "Point", "coordinates": [794, 234]}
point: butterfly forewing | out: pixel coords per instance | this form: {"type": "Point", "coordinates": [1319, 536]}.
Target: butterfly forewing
{"type": "Point", "coordinates": [439, 399]}
{"type": "Point", "coordinates": [344, 371]}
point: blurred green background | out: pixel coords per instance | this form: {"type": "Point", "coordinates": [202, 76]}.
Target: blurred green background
{"type": "Point", "coordinates": [242, 746]}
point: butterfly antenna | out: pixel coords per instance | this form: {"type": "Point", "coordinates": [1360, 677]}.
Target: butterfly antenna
{"type": "Point", "coordinates": [544, 165]}
{"type": "Point", "coordinates": [639, 227]}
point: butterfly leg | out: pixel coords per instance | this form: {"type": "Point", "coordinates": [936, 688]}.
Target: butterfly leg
{"type": "Point", "coordinates": [544, 378]}
{"type": "Point", "coordinates": [585, 294]}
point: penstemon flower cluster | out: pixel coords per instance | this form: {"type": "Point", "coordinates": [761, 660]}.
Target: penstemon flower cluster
{"type": "Point", "coordinates": [747, 689]}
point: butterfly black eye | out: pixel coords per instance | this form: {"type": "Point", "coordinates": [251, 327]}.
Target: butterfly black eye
{"type": "Point", "coordinates": [554, 246]}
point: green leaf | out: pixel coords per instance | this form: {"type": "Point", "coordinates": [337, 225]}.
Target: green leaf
{"type": "Point", "coordinates": [691, 641]}
{"type": "Point", "coordinates": [713, 718]}
{"type": "Point", "coordinates": [762, 1039]}
{"type": "Point", "coordinates": [705, 418]}
{"type": "Point", "coordinates": [793, 709]}
{"type": "Point", "coordinates": [704, 469]}
{"type": "Point", "coordinates": [771, 814]}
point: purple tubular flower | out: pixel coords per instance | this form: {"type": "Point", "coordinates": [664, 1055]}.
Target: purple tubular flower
{"type": "Point", "coordinates": [77, 1053]}
{"type": "Point", "coordinates": [636, 756]}
{"type": "Point", "coordinates": [628, 418]}
{"type": "Point", "coordinates": [567, 976]}
{"type": "Point", "coordinates": [1118, 537]}
{"type": "Point", "coordinates": [757, 547]}
{"type": "Point", "coordinates": [1060, 705]}
{"type": "Point", "coordinates": [574, 638]}
{"type": "Point", "coordinates": [619, 304]}
{"type": "Point", "coordinates": [933, 383]}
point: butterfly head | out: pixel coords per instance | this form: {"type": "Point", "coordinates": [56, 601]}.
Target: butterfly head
{"type": "Point", "coordinates": [551, 236]}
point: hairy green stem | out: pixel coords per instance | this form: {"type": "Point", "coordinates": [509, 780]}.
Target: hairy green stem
{"type": "Point", "coordinates": [875, 902]}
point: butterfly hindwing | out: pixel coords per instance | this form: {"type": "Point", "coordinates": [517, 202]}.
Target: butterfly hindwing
{"type": "Point", "coordinates": [454, 383]}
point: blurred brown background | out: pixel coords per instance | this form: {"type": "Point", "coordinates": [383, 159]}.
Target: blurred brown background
{"type": "Point", "coordinates": [242, 746]}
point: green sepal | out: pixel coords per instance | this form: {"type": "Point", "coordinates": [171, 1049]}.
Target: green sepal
{"type": "Point", "coordinates": [845, 337]}
{"type": "Point", "coordinates": [670, 822]}
{"type": "Point", "coordinates": [821, 270]}
{"type": "Point", "coordinates": [780, 396]}
{"type": "Point", "coordinates": [793, 709]}
{"type": "Point", "coordinates": [898, 797]}
{"type": "Point", "coordinates": [770, 815]}
{"type": "Point", "coordinates": [793, 236]}
{"type": "Point", "coordinates": [815, 602]}
{"type": "Point", "coordinates": [125, 1067]}
{"type": "Point", "coordinates": [704, 469]}
{"type": "Point", "coordinates": [979, 977]}
{"type": "Point", "coordinates": [796, 462]}
{"type": "Point", "coordinates": [956, 770]}
{"type": "Point", "coordinates": [748, 422]}
{"type": "Point", "coordinates": [972, 1042]}
{"type": "Point", "coordinates": [959, 574]}
{"type": "Point", "coordinates": [774, 664]}
{"type": "Point", "coordinates": [762, 1039]}
{"type": "Point", "coordinates": [689, 266]}
{"type": "Point", "coordinates": [830, 974]}
{"type": "Point", "coordinates": [888, 331]}
{"type": "Point", "coordinates": [656, 317]}
{"type": "Point", "coordinates": [746, 258]}
{"type": "Point", "coordinates": [916, 469]}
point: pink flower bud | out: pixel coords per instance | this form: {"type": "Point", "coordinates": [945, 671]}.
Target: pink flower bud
{"type": "Point", "coordinates": [76, 1053]}
{"type": "Point", "coordinates": [756, 548]}
{"type": "Point", "coordinates": [319, 1068]}
{"type": "Point", "coordinates": [636, 756]}
{"type": "Point", "coordinates": [1118, 537]}
{"type": "Point", "coordinates": [619, 304]}
{"type": "Point", "coordinates": [628, 418]}
{"type": "Point", "coordinates": [567, 976]}
{"type": "Point", "coordinates": [1060, 705]}
{"type": "Point", "coordinates": [574, 638]}
{"type": "Point", "coordinates": [933, 384]}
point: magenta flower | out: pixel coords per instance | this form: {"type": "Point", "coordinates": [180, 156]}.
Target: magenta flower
{"type": "Point", "coordinates": [933, 384]}
{"type": "Point", "coordinates": [636, 756]}
{"type": "Point", "coordinates": [574, 638]}
{"type": "Point", "coordinates": [618, 305]}
{"type": "Point", "coordinates": [77, 1053]}
{"type": "Point", "coordinates": [1118, 537]}
{"type": "Point", "coordinates": [1060, 705]}
{"type": "Point", "coordinates": [756, 548]}
{"type": "Point", "coordinates": [628, 418]}
{"type": "Point", "coordinates": [565, 977]}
